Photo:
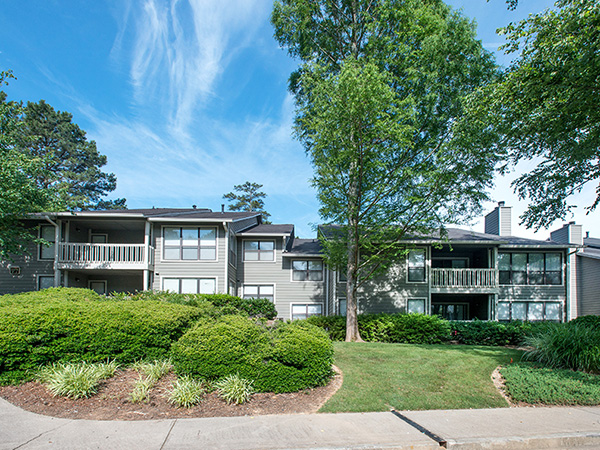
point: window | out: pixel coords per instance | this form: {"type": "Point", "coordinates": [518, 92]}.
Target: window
{"type": "Point", "coordinates": [259, 251]}
{"type": "Point", "coordinates": [306, 310]}
{"type": "Point", "coordinates": [47, 234]}
{"type": "Point", "coordinates": [190, 285]}
{"type": "Point", "coordinates": [342, 305]}
{"type": "Point", "coordinates": [530, 268]}
{"type": "Point", "coordinates": [416, 265]}
{"type": "Point", "coordinates": [98, 286]}
{"type": "Point", "coordinates": [45, 282]}
{"type": "Point", "coordinates": [531, 311]}
{"type": "Point", "coordinates": [99, 238]}
{"type": "Point", "coordinates": [193, 244]}
{"type": "Point", "coordinates": [307, 270]}
{"type": "Point", "coordinates": [415, 306]}
{"type": "Point", "coordinates": [260, 291]}
{"type": "Point", "coordinates": [342, 278]}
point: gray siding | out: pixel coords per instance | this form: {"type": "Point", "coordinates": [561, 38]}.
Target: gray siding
{"type": "Point", "coordinates": [589, 286]}
{"type": "Point", "coordinates": [498, 221]}
{"type": "Point", "coordinates": [279, 274]}
{"type": "Point", "coordinates": [561, 235]}
{"type": "Point", "coordinates": [31, 268]}
{"type": "Point", "coordinates": [189, 269]}
{"type": "Point", "coordinates": [390, 293]}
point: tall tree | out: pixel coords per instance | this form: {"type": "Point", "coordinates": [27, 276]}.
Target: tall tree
{"type": "Point", "coordinates": [248, 197]}
{"type": "Point", "coordinates": [73, 164]}
{"type": "Point", "coordinates": [19, 193]}
{"type": "Point", "coordinates": [382, 84]}
{"type": "Point", "coordinates": [545, 108]}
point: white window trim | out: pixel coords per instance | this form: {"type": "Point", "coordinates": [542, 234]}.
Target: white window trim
{"type": "Point", "coordinates": [99, 281]}
{"type": "Point", "coordinates": [322, 280]}
{"type": "Point", "coordinates": [232, 247]}
{"type": "Point", "coordinates": [187, 261]}
{"type": "Point", "coordinates": [321, 304]}
{"type": "Point", "coordinates": [274, 260]}
{"type": "Point", "coordinates": [99, 234]}
{"type": "Point", "coordinates": [261, 284]}
{"type": "Point", "coordinates": [426, 280]}
{"type": "Point", "coordinates": [42, 275]}
{"type": "Point", "coordinates": [423, 299]}
{"type": "Point", "coordinates": [563, 269]}
{"type": "Point", "coordinates": [39, 246]}
{"type": "Point", "coordinates": [530, 302]}
{"type": "Point", "coordinates": [174, 277]}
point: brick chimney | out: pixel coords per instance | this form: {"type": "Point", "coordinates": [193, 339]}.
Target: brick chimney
{"type": "Point", "coordinates": [498, 222]}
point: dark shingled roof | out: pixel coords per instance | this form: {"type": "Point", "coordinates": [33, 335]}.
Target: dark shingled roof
{"type": "Point", "coordinates": [462, 236]}
{"type": "Point", "coordinates": [262, 229]}
{"type": "Point", "coordinates": [308, 247]}
{"type": "Point", "coordinates": [167, 213]}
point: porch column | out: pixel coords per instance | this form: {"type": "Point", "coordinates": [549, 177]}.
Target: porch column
{"type": "Point", "coordinates": [146, 276]}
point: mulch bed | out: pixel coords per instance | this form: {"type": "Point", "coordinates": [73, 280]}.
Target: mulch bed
{"type": "Point", "coordinates": [112, 401]}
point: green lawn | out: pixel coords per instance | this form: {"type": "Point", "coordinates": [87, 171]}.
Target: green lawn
{"type": "Point", "coordinates": [378, 377]}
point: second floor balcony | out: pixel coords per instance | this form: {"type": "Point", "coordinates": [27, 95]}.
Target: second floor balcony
{"type": "Point", "coordinates": [72, 255]}
{"type": "Point", "coordinates": [464, 279]}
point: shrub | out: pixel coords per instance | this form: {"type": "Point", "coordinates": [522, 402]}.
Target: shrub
{"type": "Point", "coordinates": [586, 321]}
{"type": "Point", "coordinates": [141, 390]}
{"type": "Point", "coordinates": [568, 346]}
{"type": "Point", "coordinates": [234, 389]}
{"type": "Point", "coordinates": [478, 332]}
{"type": "Point", "coordinates": [285, 358]}
{"type": "Point", "coordinates": [75, 380]}
{"type": "Point", "coordinates": [540, 385]}
{"type": "Point", "coordinates": [186, 392]}
{"type": "Point", "coordinates": [211, 304]}
{"type": "Point", "coordinates": [64, 324]}
{"type": "Point", "coordinates": [393, 328]}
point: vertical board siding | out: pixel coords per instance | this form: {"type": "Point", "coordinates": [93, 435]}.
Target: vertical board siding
{"type": "Point", "coordinates": [589, 286]}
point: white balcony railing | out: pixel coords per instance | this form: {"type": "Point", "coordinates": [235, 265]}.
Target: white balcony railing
{"type": "Point", "coordinates": [463, 278]}
{"type": "Point", "coordinates": [108, 255]}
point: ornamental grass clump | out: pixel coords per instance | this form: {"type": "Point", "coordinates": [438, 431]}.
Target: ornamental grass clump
{"type": "Point", "coordinates": [568, 346]}
{"type": "Point", "coordinates": [150, 373]}
{"type": "Point", "coordinates": [186, 392]}
{"type": "Point", "coordinates": [234, 389]}
{"type": "Point", "coordinates": [75, 380]}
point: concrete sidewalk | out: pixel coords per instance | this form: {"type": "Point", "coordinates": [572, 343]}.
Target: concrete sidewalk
{"type": "Point", "coordinates": [516, 428]}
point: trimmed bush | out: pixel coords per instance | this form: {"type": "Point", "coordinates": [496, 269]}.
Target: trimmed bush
{"type": "Point", "coordinates": [568, 346]}
{"type": "Point", "coordinates": [66, 324]}
{"type": "Point", "coordinates": [211, 304]}
{"type": "Point", "coordinates": [392, 328]}
{"type": "Point", "coordinates": [478, 332]}
{"type": "Point", "coordinates": [285, 358]}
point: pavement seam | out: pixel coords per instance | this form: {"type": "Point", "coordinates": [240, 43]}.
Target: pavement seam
{"type": "Point", "coordinates": [41, 434]}
{"type": "Point", "coordinates": [430, 434]}
{"type": "Point", "coordinates": [168, 434]}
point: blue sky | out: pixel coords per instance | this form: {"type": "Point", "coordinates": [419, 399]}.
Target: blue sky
{"type": "Point", "coordinates": [188, 98]}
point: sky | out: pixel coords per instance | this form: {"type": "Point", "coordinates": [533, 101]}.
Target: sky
{"type": "Point", "coordinates": [188, 98]}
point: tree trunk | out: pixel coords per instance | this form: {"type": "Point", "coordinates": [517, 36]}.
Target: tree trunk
{"type": "Point", "coordinates": [352, 333]}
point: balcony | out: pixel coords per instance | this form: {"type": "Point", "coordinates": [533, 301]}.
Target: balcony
{"type": "Point", "coordinates": [104, 256]}
{"type": "Point", "coordinates": [464, 280]}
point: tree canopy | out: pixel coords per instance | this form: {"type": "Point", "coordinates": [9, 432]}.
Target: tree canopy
{"type": "Point", "coordinates": [19, 192]}
{"type": "Point", "coordinates": [381, 86]}
{"type": "Point", "coordinates": [545, 108]}
{"type": "Point", "coordinates": [248, 197]}
{"type": "Point", "coordinates": [73, 164]}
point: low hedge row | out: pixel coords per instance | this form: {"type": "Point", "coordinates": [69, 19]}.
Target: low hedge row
{"type": "Point", "coordinates": [393, 328]}
{"type": "Point", "coordinates": [478, 332]}
{"type": "Point", "coordinates": [63, 324]}
{"type": "Point", "coordinates": [226, 304]}
{"type": "Point", "coordinates": [285, 358]}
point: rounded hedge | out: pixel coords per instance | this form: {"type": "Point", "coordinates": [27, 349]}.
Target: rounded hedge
{"type": "Point", "coordinates": [391, 328]}
{"type": "Point", "coordinates": [285, 358]}
{"type": "Point", "coordinates": [66, 324]}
